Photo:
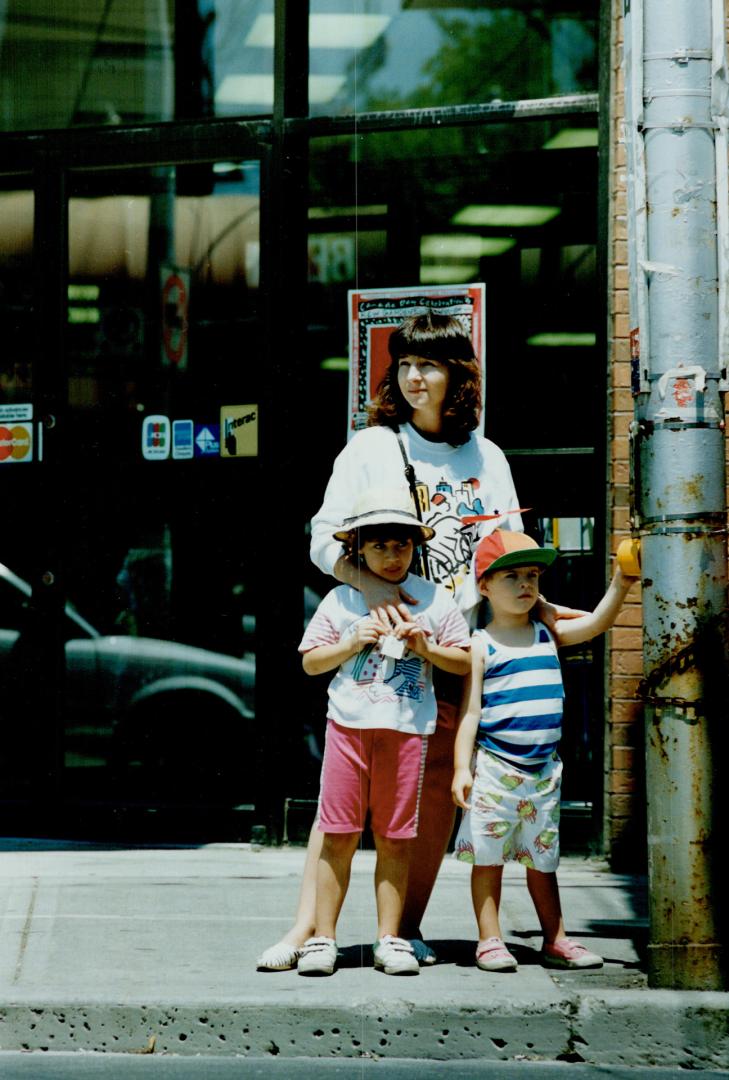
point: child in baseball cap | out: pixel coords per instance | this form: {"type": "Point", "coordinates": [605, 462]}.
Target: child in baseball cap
{"type": "Point", "coordinates": [513, 722]}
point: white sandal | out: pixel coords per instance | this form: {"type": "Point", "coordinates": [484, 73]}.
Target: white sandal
{"type": "Point", "coordinates": [280, 957]}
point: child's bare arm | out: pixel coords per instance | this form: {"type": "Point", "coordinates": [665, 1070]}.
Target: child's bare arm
{"type": "Point", "coordinates": [466, 734]}
{"type": "Point", "coordinates": [574, 631]}
{"type": "Point", "coordinates": [446, 657]}
{"type": "Point", "coordinates": [324, 658]}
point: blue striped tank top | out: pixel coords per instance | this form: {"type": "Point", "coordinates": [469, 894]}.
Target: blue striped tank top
{"type": "Point", "coordinates": [521, 701]}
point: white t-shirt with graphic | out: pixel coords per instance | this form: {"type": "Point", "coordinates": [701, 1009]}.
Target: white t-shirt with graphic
{"type": "Point", "coordinates": [453, 482]}
{"type": "Point", "coordinates": [370, 690]}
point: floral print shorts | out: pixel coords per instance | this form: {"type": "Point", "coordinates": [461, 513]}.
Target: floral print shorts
{"type": "Point", "coordinates": [514, 815]}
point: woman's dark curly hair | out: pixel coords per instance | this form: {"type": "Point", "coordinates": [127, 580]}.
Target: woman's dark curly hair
{"type": "Point", "coordinates": [433, 337]}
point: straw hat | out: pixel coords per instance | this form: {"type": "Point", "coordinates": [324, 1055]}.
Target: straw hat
{"type": "Point", "coordinates": [383, 506]}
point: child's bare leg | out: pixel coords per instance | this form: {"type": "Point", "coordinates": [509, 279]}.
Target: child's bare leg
{"type": "Point", "coordinates": [486, 895]}
{"type": "Point", "coordinates": [391, 880]}
{"type": "Point", "coordinates": [544, 891]}
{"type": "Point", "coordinates": [332, 880]}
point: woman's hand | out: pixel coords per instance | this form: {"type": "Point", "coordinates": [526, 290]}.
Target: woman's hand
{"type": "Point", "coordinates": [377, 594]}
{"type": "Point", "coordinates": [384, 597]}
{"type": "Point", "coordinates": [549, 614]}
{"type": "Point", "coordinates": [461, 788]}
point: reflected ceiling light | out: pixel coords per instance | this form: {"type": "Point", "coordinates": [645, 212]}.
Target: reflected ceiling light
{"type": "Point", "coordinates": [319, 212]}
{"type": "Point", "coordinates": [223, 167]}
{"type": "Point", "coordinates": [83, 292]}
{"type": "Point", "coordinates": [78, 315]}
{"type": "Point", "coordinates": [448, 273]}
{"type": "Point", "coordinates": [258, 90]}
{"type": "Point", "coordinates": [505, 216]}
{"type": "Point", "coordinates": [558, 339]}
{"type": "Point", "coordinates": [335, 363]}
{"type": "Point", "coordinates": [463, 246]}
{"type": "Point", "coordinates": [343, 31]}
{"type": "Point", "coordinates": [570, 138]}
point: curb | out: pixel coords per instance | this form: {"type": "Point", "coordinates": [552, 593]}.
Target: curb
{"type": "Point", "coordinates": [627, 1028]}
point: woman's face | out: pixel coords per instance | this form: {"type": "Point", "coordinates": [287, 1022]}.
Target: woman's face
{"type": "Point", "coordinates": [423, 384]}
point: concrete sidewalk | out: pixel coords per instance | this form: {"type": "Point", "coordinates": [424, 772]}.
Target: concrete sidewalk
{"type": "Point", "coordinates": [129, 949]}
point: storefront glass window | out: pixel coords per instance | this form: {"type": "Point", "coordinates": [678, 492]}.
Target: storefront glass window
{"type": "Point", "coordinates": [135, 61]}
{"type": "Point", "coordinates": [162, 436]}
{"type": "Point", "coordinates": [16, 299]}
{"type": "Point", "coordinates": [403, 54]}
{"type": "Point", "coordinates": [514, 208]}
{"type": "Point", "coordinates": [65, 63]}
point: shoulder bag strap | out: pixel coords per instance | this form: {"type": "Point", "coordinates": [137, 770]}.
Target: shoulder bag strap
{"type": "Point", "coordinates": [412, 481]}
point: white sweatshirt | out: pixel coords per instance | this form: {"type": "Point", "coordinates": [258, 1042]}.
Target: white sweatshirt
{"type": "Point", "coordinates": [453, 482]}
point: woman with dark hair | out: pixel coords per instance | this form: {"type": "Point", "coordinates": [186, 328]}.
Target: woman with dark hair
{"type": "Point", "coordinates": [424, 415]}
{"type": "Point", "coordinates": [442, 339]}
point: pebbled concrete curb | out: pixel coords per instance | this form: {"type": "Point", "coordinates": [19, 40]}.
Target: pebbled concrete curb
{"type": "Point", "coordinates": [648, 1028]}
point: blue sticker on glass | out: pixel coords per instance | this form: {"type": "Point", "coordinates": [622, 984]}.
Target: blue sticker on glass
{"type": "Point", "coordinates": [182, 439]}
{"type": "Point", "coordinates": [207, 440]}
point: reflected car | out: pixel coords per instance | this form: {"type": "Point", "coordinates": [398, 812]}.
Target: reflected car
{"type": "Point", "coordinates": [143, 711]}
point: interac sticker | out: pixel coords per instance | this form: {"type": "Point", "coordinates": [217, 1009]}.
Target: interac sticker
{"type": "Point", "coordinates": [239, 431]}
{"type": "Point", "coordinates": [16, 443]}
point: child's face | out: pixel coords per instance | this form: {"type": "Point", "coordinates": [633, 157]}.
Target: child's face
{"type": "Point", "coordinates": [388, 559]}
{"type": "Point", "coordinates": [513, 591]}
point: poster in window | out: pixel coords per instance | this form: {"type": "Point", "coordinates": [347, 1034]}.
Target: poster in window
{"type": "Point", "coordinates": [375, 313]}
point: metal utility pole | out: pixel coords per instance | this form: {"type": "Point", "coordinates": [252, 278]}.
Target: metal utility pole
{"type": "Point", "coordinates": [676, 125]}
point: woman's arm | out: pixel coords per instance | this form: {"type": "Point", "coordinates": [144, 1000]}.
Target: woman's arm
{"type": "Point", "coordinates": [377, 594]}
{"type": "Point", "coordinates": [583, 628]}
{"type": "Point", "coordinates": [550, 614]}
{"type": "Point", "coordinates": [466, 734]}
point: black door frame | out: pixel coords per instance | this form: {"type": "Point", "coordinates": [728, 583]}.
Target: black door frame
{"type": "Point", "coordinates": [281, 143]}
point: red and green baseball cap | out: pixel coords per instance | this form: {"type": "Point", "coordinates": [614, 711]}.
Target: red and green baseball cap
{"type": "Point", "coordinates": [503, 548]}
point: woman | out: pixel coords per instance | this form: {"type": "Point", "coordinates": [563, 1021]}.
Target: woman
{"type": "Point", "coordinates": [431, 398]}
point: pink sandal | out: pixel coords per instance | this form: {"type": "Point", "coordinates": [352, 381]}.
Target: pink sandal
{"type": "Point", "coordinates": [493, 955]}
{"type": "Point", "coordinates": [567, 953]}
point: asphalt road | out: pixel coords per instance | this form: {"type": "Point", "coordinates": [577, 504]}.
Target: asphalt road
{"type": "Point", "coordinates": [84, 1066]}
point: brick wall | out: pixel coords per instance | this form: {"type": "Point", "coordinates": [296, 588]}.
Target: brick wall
{"type": "Point", "coordinates": [624, 824]}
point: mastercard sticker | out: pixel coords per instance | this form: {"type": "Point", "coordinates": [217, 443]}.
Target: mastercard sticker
{"type": "Point", "coordinates": [16, 443]}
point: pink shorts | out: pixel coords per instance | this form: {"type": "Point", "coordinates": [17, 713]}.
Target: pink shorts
{"type": "Point", "coordinates": [373, 769]}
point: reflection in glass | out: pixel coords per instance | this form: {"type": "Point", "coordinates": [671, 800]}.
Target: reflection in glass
{"type": "Point", "coordinates": [427, 53]}
{"type": "Point", "coordinates": [483, 203]}
{"type": "Point", "coordinates": [133, 61]}
{"type": "Point", "coordinates": [163, 268]}
{"type": "Point", "coordinates": [16, 296]}
{"type": "Point", "coordinates": [161, 337]}
{"type": "Point", "coordinates": [65, 63]}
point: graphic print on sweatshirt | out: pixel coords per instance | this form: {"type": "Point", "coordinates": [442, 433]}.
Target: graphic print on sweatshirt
{"type": "Point", "coordinates": [450, 550]}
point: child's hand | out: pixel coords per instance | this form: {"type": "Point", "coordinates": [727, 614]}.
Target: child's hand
{"type": "Point", "coordinates": [366, 632]}
{"type": "Point", "coordinates": [461, 788]}
{"type": "Point", "coordinates": [623, 579]}
{"type": "Point", "coordinates": [416, 636]}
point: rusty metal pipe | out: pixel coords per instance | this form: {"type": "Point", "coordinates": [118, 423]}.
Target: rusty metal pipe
{"type": "Point", "coordinates": [678, 451]}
